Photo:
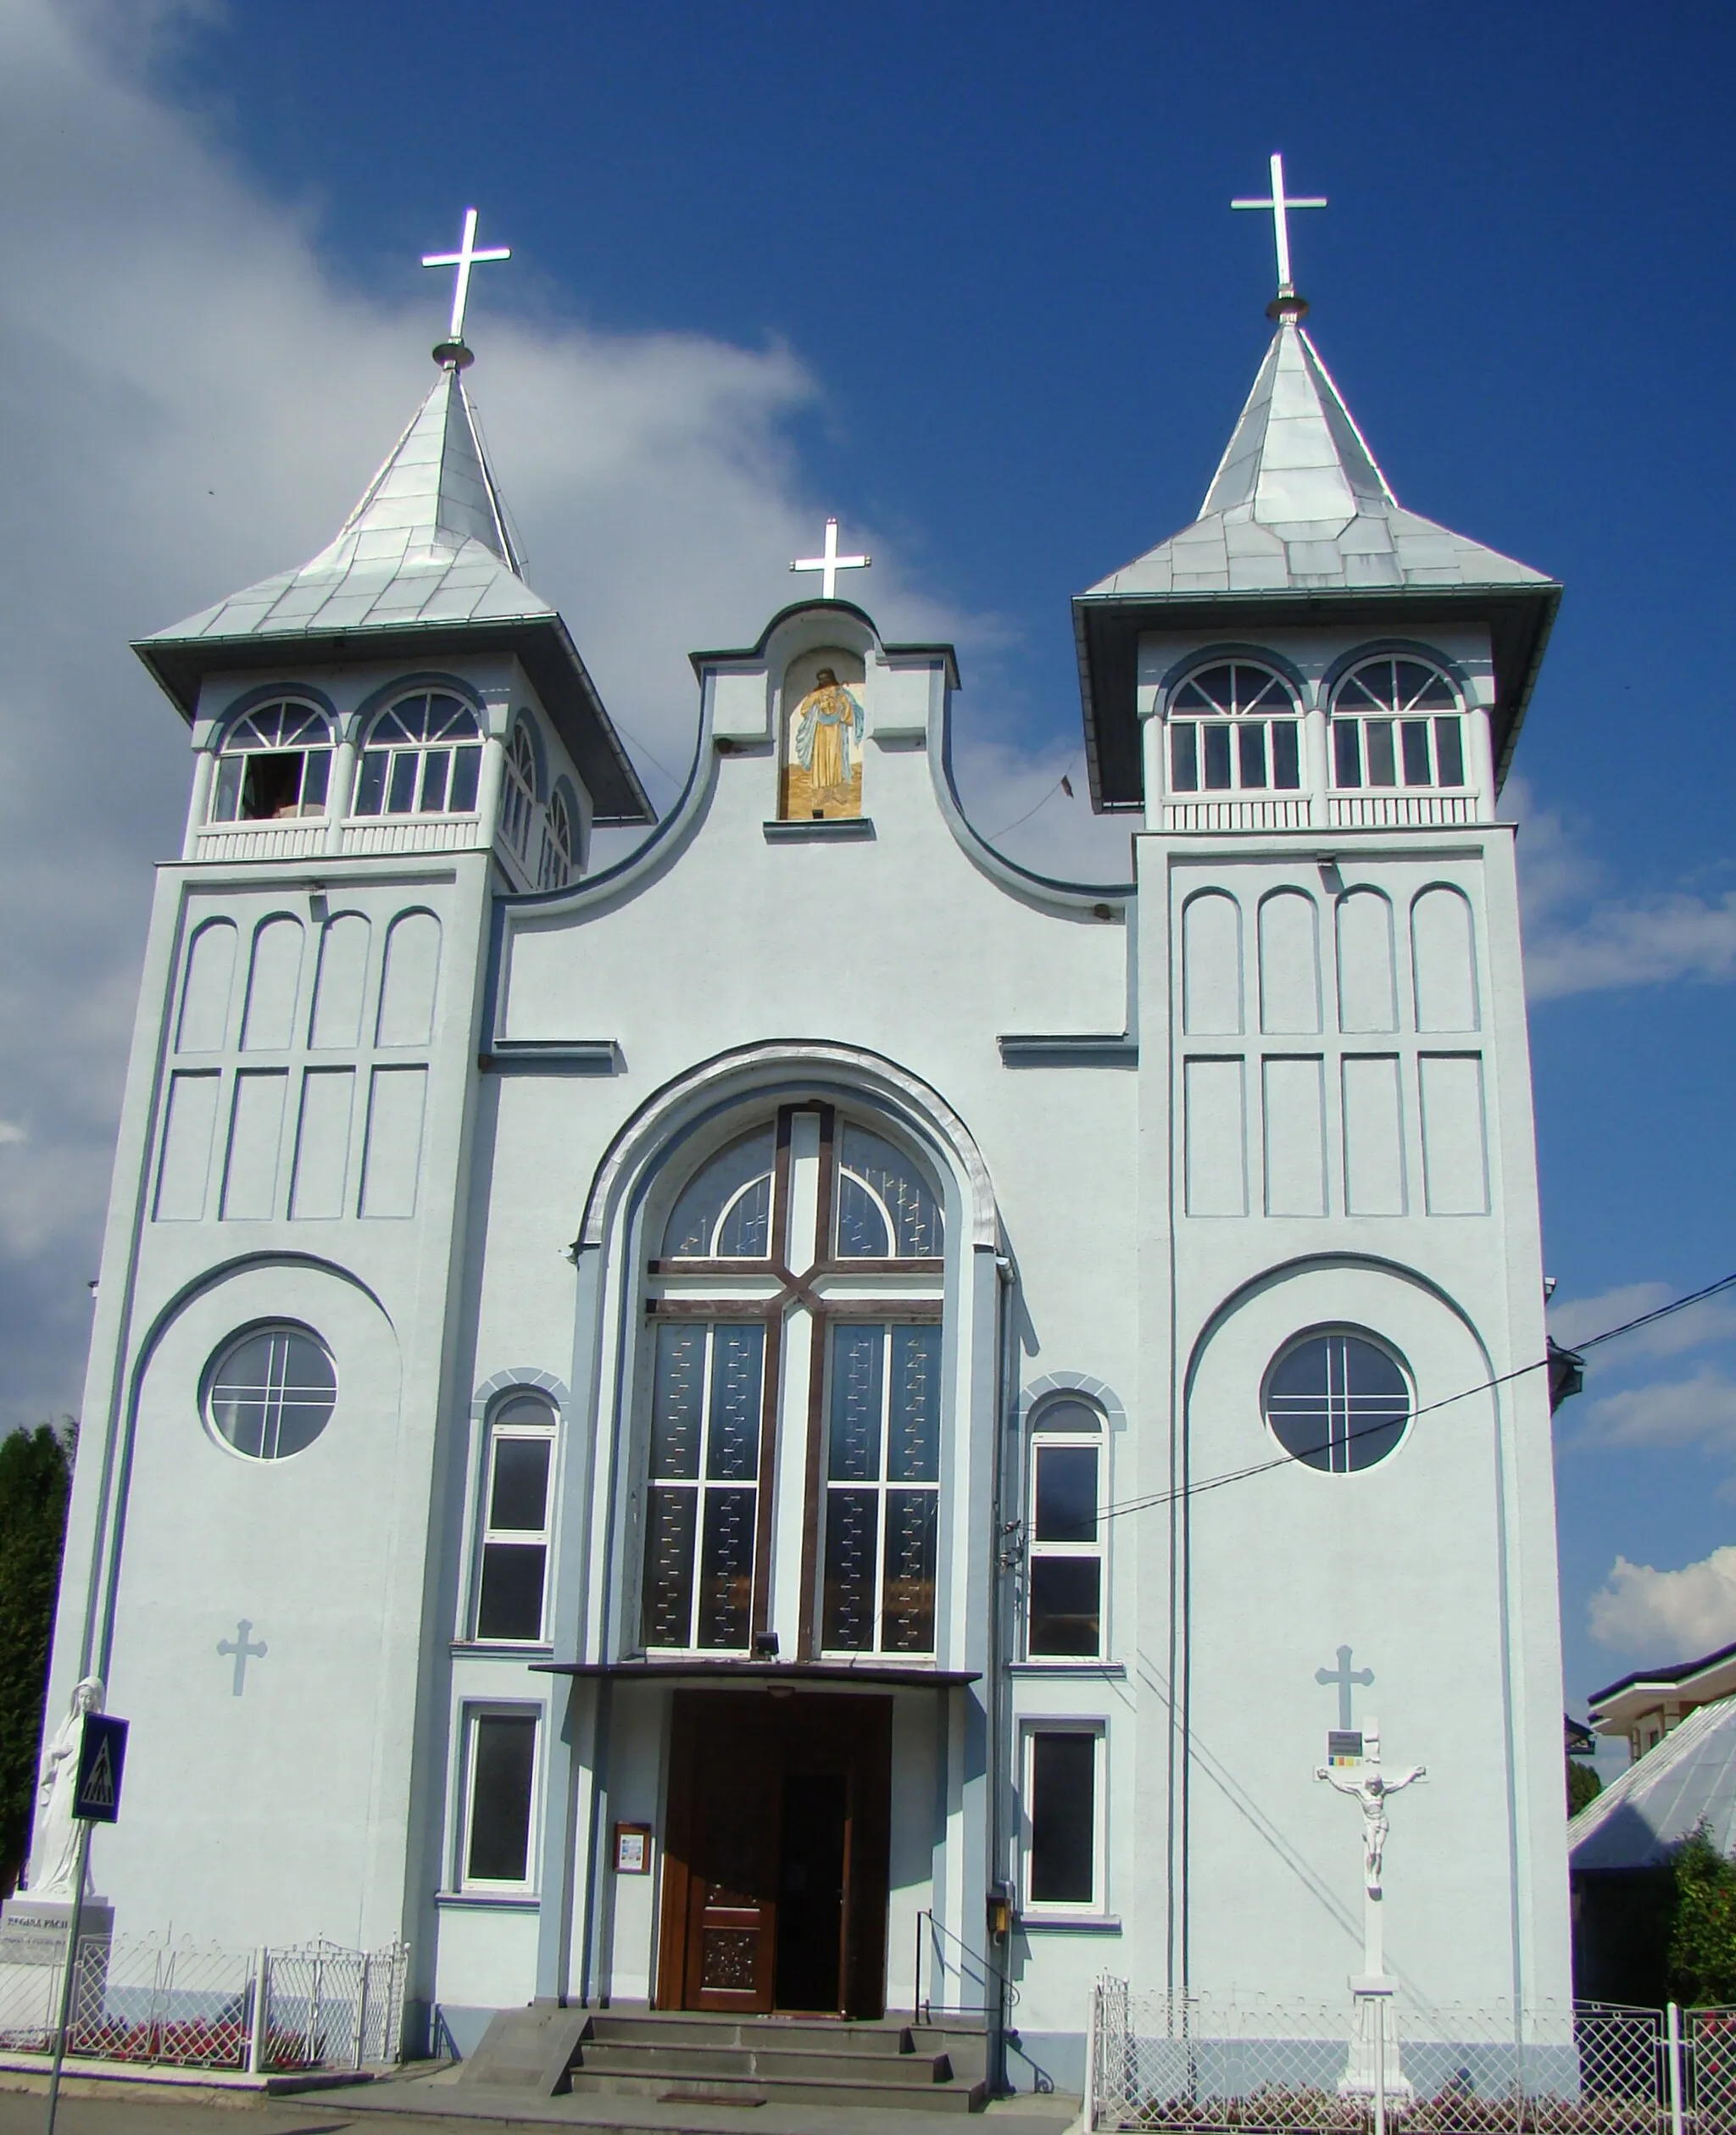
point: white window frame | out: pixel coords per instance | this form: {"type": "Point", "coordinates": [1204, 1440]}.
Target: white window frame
{"type": "Point", "coordinates": [472, 1713]}
{"type": "Point", "coordinates": [246, 736]}
{"type": "Point", "coordinates": [555, 866]}
{"type": "Point", "coordinates": [502, 1428]}
{"type": "Point", "coordinates": [518, 791]}
{"type": "Point", "coordinates": [1429, 718]}
{"type": "Point", "coordinates": [397, 750]}
{"type": "Point", "coordinates": [1096, 1551]}
{"type": "Point", "coordinates": [1233, 721]}
{"type": "Point", "coordinates": [1059, 1909]}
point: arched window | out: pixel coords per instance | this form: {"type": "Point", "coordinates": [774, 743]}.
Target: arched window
{"type": "Point", "coordinates": [1064, 1539]}
{"type": "Point", "coordinates": [1336, 1400]}
{"type": "Point", "coordinates": [556, 847]}
{"type": "Point", "coordinates": [1397, 722]}
{"type": "Point", "coordinates": [1234, 728]}
{"type": "Point", "coordinates": [518, 799]}
{"type": "Point", "coordinates": [809, 1248]}
{"type": "Point", "coordinates": [513, 1556]}
{"type": "Point", "coordinates": [270, 1392]}
{"type": "Point", "coordinates": [275, 763]}
{"type": "Point", "coordinates": [423, 758]}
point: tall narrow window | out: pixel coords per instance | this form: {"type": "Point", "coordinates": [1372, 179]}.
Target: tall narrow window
{"type": "Point", "coordinates": [882, 1488]}
{"type": "Point", "coordinates": [274, 763]}
{"type": "Point", "coordinates": [518, 799]}
{"type": "Point", "coordinates": [556, 862]}
{"type": "Point", "coordinates": [1397, 722]}
{"type": "Point", "coordinates": [510, 1586]}
{"type": "Point", "coordinates": [1233, 728]}
{"type": "Point", "coordinates": [499, 1797]}
{"type": "Point", "coordinates": [818, 1238]}
{"type": "Point", "coordinates": [1063, 1820]}
{"type": "Point", "coordinates": [1064, 1531]}
{"type": "Point", "coordinates": [423, 756]}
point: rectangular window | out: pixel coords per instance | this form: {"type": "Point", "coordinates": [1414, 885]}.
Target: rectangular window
{"type": "Point", "coordinates": [707, 1388]}
{"type": "Point", "coordinates": [1063, 1819]}
{"type": "Point", "coordinates": [1065, 1616]}
{"type": "Point", "coordinates": [1217, 759]}
{"type": "Point", "coordinates": [1449, 751]}
{"type": "Point", "coordinates": [1184, 758]}
{"type": "Point", "coordinates": [500, 1793]}
{"type": "Point", "coordinates": [1346, 753]}
{"type": "Point", "coordinates": [510, 1591]}
{"type": "Point", "coordinates": [882, 1493]}
{"type": "Point", "coordinates": [1286, 756]}
{"type": "Point", "coordinates": [1248, 756]}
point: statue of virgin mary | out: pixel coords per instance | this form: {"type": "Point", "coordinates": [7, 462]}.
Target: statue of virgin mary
{"type": "Point", "coordinates": [54, 1853]}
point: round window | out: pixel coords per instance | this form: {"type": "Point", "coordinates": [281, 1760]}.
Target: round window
{"type": "Point", "coordinates": [1336, 1401]}
{"type": "Point", "coordinates": [271, 1391]}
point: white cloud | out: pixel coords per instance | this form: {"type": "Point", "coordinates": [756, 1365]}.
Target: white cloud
{"type": "Point", "coordinates": [1572, 1320]}
{"type": "Point", "coordinates": [1578, 941]}
{"type": "Point", "coordinates": [12, 1133]}
{"type": "Point", "coordinates": [1672, 1615]}
{"type": "Point", "coordinates": [1699, 1410]}
{"type": "Point", "coordinates": [188, 403]}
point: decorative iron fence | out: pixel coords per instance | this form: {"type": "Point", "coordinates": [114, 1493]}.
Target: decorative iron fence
{"type": "Point", "coordinates": [1205, 2064]}
{"type": "Point", "coordinates": [183, 2005]}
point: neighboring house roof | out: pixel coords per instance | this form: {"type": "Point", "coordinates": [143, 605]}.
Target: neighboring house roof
{"type": "Point", "coordinates": [1581, 1741]}
{"type": "Point", "coordinates": [1713, 1676]}
{"type": "Point", "coordinates": [1686, 1779]}
{"type": "Point", "coordinates": [1299, 525]}
{"type": "Point", "coordinates": [425, 561]}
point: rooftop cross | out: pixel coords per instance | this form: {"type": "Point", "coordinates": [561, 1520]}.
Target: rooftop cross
{"type": "Point", "coordinates": [463, 260]}
{"type": "Point", "coordinates": [830, 563]}
{"type": "Point", "coordinates": [1277, 208]}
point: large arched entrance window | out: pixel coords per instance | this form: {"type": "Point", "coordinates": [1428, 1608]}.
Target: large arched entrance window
{"type": "Point", "coordinates": [792, 1449]}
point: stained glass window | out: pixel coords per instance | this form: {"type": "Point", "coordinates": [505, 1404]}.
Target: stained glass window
{"type": "Point", "coordinates": [725, 1213]}
{"type": "Point", "coordinates": [882, 1493]}
{"type": "Point", "coordinates": [887, 1210]}
{"type": "Point", "coordinates": [702, 1501]}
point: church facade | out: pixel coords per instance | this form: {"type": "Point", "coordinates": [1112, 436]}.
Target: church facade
{"type": "Point", "coordinates": [814, 1420]}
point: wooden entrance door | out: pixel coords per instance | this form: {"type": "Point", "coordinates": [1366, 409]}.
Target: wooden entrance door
{"type": "Point", "coordinates": [775, 1858]}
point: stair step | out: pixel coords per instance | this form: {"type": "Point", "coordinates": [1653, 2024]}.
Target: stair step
{"type": "Point", "coordinates": [744, 2062]}
{"type": "Point", "coordinates": [791, 2035]}
{"type": "Point", "coordinates": [933, 2097]}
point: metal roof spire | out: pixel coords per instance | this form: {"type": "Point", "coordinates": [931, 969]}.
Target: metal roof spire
{"type": "Point", "coordinates": [451, 354]}
{"type": "Point", "coordinates": [1287, 304]}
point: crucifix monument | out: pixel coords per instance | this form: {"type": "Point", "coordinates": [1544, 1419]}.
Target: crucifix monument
{"type": "Point", "coordinates": [1373, 2067]}
{"type": "Point", "coordinates": [830, 563]}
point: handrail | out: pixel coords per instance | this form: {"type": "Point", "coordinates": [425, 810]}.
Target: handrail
{"type": "Point", "coordinates": [1010, 1993]}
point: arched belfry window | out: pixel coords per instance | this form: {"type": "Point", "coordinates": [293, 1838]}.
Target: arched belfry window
{"type": "Point", "coordinates": [518, 799]}
{"type": "Point", "coordinates": [1397, 722]}
{"type": "Point", "coordinates": [794, 1309]}
{"type": "Point", "coordinates": [1233, 728]}
{"type": "Point", "coordinates": [556, 862]}
{"type": "Point", "coordinates": [275, 763]}
{"type": "Point", "coordinates": [423, 756]}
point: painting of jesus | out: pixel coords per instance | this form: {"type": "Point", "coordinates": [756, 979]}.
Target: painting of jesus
{"type": "Point", "coordinates": [823, 767]}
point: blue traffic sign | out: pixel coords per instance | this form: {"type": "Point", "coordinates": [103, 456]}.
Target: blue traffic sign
{"type": "Point", "coordinates": [101, 1756]}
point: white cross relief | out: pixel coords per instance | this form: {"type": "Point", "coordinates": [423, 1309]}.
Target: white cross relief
{"type": "Point", "coordinates": [243, 1647]}
{"type": "Point", "coordinates": [1277, 206]}
{"type": "Point", "coordinates": [830, 563]}
{"type": "Point", "coordinates": [463, 260]}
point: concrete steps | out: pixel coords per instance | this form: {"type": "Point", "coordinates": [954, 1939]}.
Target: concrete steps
{"type": "Point", "coordinates": [685, 2057]}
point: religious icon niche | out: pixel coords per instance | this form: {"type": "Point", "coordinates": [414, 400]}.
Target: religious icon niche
{"type": "Point", "coordinates": [820, 755]}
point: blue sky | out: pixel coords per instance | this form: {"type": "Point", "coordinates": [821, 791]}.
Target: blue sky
{"type": "Point", "coordinates": [966, 276]}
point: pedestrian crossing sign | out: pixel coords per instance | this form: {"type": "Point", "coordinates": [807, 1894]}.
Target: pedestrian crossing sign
{"type": "Point", "coordinates": [101, 1756]}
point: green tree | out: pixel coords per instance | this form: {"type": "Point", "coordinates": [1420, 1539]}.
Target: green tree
{"type": "Point", "coordinates": [35, 1473]}
{"type": "Point", "coordinates": [1703, 1939]}
{"type": "Point", "coordinates": [1584, 1785]}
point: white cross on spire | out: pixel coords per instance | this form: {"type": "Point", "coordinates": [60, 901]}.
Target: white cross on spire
{"type": "Point", "coordinates": [830, 563]}
{"type": "Point", "coordinates": [1277, 207]}
{"type": "Point", "coordinates": [463, 260]}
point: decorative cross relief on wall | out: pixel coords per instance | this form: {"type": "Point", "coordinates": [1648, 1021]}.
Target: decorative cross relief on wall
{"type": "Point", "coordinates": [242, 1649]}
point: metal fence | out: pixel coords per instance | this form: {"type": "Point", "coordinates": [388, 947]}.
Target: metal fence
{"type": "Point", "coordinates": [190, 2005]}
{"type": "Point", "coordinates": [1221, 2063]}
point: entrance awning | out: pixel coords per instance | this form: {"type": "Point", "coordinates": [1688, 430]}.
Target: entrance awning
{"type": "Point", "coordinates": [880, 1674]}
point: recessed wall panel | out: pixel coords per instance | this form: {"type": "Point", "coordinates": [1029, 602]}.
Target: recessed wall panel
{"type": "Point", "coordinates": [1368, 998]}
{"type": "Point", "coordinates": [1443, 959]}
{"type": "Point", "coordinates": [322, 1144]}
{"type": "Point", "coordinates": [184, 1167]}
{"type": "Point", "coordinates": [255, 1137]}
{"type": "Point", "coordinates": [1215, 1135]}
{"type": "Point", "coordinates": [343, 979]}
{"type": "Point", "coordinates": [1374, 1136]}
{"type": "Point", "coordinates": [1289, 963]}
{"type": "Point", "coordinates": [1455, 1137]}
{"type": "Point", "coordinates": [203, 1026]}
{"type": "Point", "coordinates": [1211, 965]}
{"type": "Point", "coordinates": [273, 978]}
{"type": "Point", "coordinates": [1292, 1109]}
{"type": "Point", "coordinates": [412, 971]}
{"type": "Point", "coordinates": [393, 1157]}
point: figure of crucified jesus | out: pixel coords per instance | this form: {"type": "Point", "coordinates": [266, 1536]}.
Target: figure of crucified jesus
{"type": "Point", "coordinates": [1371, 1786]}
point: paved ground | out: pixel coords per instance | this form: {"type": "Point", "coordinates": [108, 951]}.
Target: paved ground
{"type": "Point", "coordinates": [420, 2105]}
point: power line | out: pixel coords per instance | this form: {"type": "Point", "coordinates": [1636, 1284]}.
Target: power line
{"type": "Point", "coordinates": [1286, 1460]}
{"type": "Point", "coordinates": [1061, 785]}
